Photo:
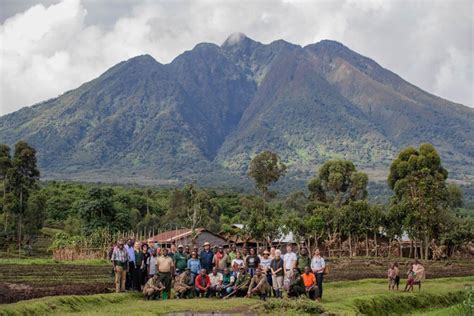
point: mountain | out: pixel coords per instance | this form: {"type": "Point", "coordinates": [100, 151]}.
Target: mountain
{"type": "Point", "coordinates": [204, 115]}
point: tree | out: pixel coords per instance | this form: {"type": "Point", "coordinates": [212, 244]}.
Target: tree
{"type": "Point", "coordinates": [419, 182]}
{"type": "Point", "coordinates": [266, 168]}
{"type": "Point", "coordinates": [5, 165]}
{"type": "Point", "coordinates": [338, 182]}
{"type": "Point", "coordinates": [22, 179]}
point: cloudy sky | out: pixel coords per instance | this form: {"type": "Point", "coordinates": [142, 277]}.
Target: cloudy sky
{"type": "Point", "coordinates": [51, 46]}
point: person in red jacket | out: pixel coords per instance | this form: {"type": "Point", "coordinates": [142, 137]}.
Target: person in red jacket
{"type": "Point", "coordinates": [202, 284]}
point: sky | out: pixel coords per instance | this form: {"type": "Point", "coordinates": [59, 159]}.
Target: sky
{"type": "Point", "coordinates": [51, 46]}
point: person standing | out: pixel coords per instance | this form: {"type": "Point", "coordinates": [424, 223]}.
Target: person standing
{"type": "Point", "coordinates": [220, 259]}
{"type": "Point", "coordinates": [290, 259]}
{"type": "Point", "coordinates": [131, 263]}
{"type": "Point", "coordinates": [277, 266]}
{"type": "Point", "coordinates": [318, 265]}
{"type": "Point", "coordinates": [146, 255]}
{"type": "Point", "coordinates": [303, 260]}
{"type": "Point", "coordinates": [252, 262]}
{"type": "Point", "coordinates": [237, 262]}
{"type": "Point", "coordinates": [265, 263]}
{"type": "Point", "coordinates": [165, 269]}
{"type": "Point", "coordinates": [194, 265]}
{"type": "Point", "coordinates": [206, 257]}
{"type": "Point", "coordinates": [397, 274]}
{"type": "Point", "coordinates": [151, 264]}
{"type": "Point", "coordinates": [120, 262]}
{"type": "Point", "coordinates": [232, 253]}
{"type": "Point", "coordinates": [180, 260]}
{"type": "Point", "coordinates": [137, 275]}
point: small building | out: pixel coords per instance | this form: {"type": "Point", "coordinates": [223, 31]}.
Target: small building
{"type": "Point", "coordinates": [185, 237]}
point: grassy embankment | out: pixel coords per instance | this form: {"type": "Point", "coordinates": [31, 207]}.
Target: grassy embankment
{"type": "Point", "coordinates": [368, 297]}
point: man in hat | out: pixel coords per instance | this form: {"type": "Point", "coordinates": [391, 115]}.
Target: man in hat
{"type": "Point", "coordinates": [265, 263]}
{"type": "Point", "coordinates": [120, 262]}
{"type": "Point", "coordinates": [206, 257]}
{"type": "Point", "coordinates": [259, 285]}
{"type": "Point", "coordinates": [182, 284]}
{"type": "Point", "coordinates": [180, 260]}
{"type": "Point", "coordinates": [220, 259]}
{"type": "Point", "coordinates": [153, 288]}
{"type": "Point", "coordinates": [165, 268]}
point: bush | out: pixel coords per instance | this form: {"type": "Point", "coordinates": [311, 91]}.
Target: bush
{"type": "Point", "coordinates": [299, 305]}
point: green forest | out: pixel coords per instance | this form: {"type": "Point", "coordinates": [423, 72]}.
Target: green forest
{"type": "Point", "coordinates": [335, 212]}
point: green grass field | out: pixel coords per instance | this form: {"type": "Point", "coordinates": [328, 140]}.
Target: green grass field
{"type": "Point", "coordinates": [368, 296]}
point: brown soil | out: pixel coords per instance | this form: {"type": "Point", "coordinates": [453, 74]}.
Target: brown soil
{"type": "Point", "coordinates": [22, 282]}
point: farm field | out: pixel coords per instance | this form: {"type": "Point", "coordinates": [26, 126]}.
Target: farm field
{"type": "Point", "coordinates": [22, 279]}
{"type": "Point", "coordinates": [352, 286]}
{"type": "Point", "coordinates": [368, 296]}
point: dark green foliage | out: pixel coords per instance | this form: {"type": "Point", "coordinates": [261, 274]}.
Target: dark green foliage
{"type": "Point", "coordinates": [301, 305]}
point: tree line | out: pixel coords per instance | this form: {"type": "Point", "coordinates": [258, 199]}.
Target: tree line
{"type": "Point", "coordinates": [334, 212]}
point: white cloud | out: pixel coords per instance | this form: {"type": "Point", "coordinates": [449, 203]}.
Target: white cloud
{"type": "Point", "coordinates": [47, 50]}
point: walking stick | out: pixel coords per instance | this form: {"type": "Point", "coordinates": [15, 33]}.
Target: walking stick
{"type": "Point", "coordinates": [233, 292]}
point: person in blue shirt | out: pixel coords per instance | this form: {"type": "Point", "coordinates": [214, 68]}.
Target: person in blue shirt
{"type": "Point", "coordinates": [194, 265]}
{"type": "Point", "coordinates": [131, 263]}
{"type": "Point", "coordinates": [206, 257]}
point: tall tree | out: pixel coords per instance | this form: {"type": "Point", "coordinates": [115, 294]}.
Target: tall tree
{"type": "Point", "coordinates": [5, 165]}
{"type": "Point", "coordinates": [419, 182]}
{"type": "Point", "coordinates": [266, 168]}
{"type": "Point", "coordinates": [22, 179]}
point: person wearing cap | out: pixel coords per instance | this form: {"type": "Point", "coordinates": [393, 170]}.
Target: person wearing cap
{"type": "Point", "coordinates": [220, 259]}
{"type": "Point", "coordinates": [165, 268]}
{"type": "Point", "coordinates": [202, 284]}
{"type": "Point", "coordinates": [194, 265]}
{"type": "Point", "coordinates": [206, 257]}
{"type": "Point", "coordinates": [258, 285]}
{"type": "Point", "coordinates": [153, 288]}
{"type": "Point", "coordinates": [180, 260]}
{"type": "Point", "coordinates": [120, 262]}
{"type": "Point", "coordinates": [242, 282]}
{"type": "Point", "coordinates": [182, 284]}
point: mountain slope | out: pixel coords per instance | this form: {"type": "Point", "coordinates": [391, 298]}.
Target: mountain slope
{"type": "Point", "coordinates": [204, 115]}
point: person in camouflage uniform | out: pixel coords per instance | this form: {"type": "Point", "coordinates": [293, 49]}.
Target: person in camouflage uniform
{"type": "Point", "coordinates": [182, 284]}
{"type": "Point", "coordinates": [259, 285]}
{"type": "Point", "coordinates": [242, 283]}
{"type": "Point", "coordinates": [153, 288]}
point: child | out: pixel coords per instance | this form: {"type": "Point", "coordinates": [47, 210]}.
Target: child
{"type": "Point", "coordinates": [391, 277]}
{"type": "Point", "coordinates": [397, 274]}
{"type": "Point", "coordinates": [411, 278]}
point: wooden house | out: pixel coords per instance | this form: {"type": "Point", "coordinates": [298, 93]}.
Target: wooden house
{"type": "Point", "coordinates": [185, 237]}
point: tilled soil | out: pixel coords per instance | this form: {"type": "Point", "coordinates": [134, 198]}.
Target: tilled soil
{"type": "Point", "coordinates": [22, 282]}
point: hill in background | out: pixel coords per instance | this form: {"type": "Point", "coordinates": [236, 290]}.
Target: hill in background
{"type": "Point", "coordinates": [204, 115]}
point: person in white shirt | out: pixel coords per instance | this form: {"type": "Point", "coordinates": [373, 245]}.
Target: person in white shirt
{"type": "Point", "coordinates": [318, 265]}
{"type": "Point", "coordinates": [216, 282]}
{"type": "Point", "coordinates": [290, 259]}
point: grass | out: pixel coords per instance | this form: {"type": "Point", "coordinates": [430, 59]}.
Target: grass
{"type": "Point", "coordinates": [368, 296]}
{"type": "Point", "coordinates": [43, 261]}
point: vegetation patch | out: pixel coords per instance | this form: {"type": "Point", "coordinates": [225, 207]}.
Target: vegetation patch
{"type": "Point", "coordinates": [299, 305]}
{"type": "Point", "coordinates": [402, 304]}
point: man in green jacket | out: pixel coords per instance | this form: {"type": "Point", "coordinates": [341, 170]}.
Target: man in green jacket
{"type": "Point", "coordinates": [180, 260]}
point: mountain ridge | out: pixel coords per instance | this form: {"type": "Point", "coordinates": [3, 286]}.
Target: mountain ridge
{"type": "Point", "coordinates": [202, 116]}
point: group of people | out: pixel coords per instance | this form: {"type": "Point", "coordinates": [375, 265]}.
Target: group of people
{"type": "Point", "coordinates": [216, 272]}
{"type": "Point", "coordinates": [415, 275]}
